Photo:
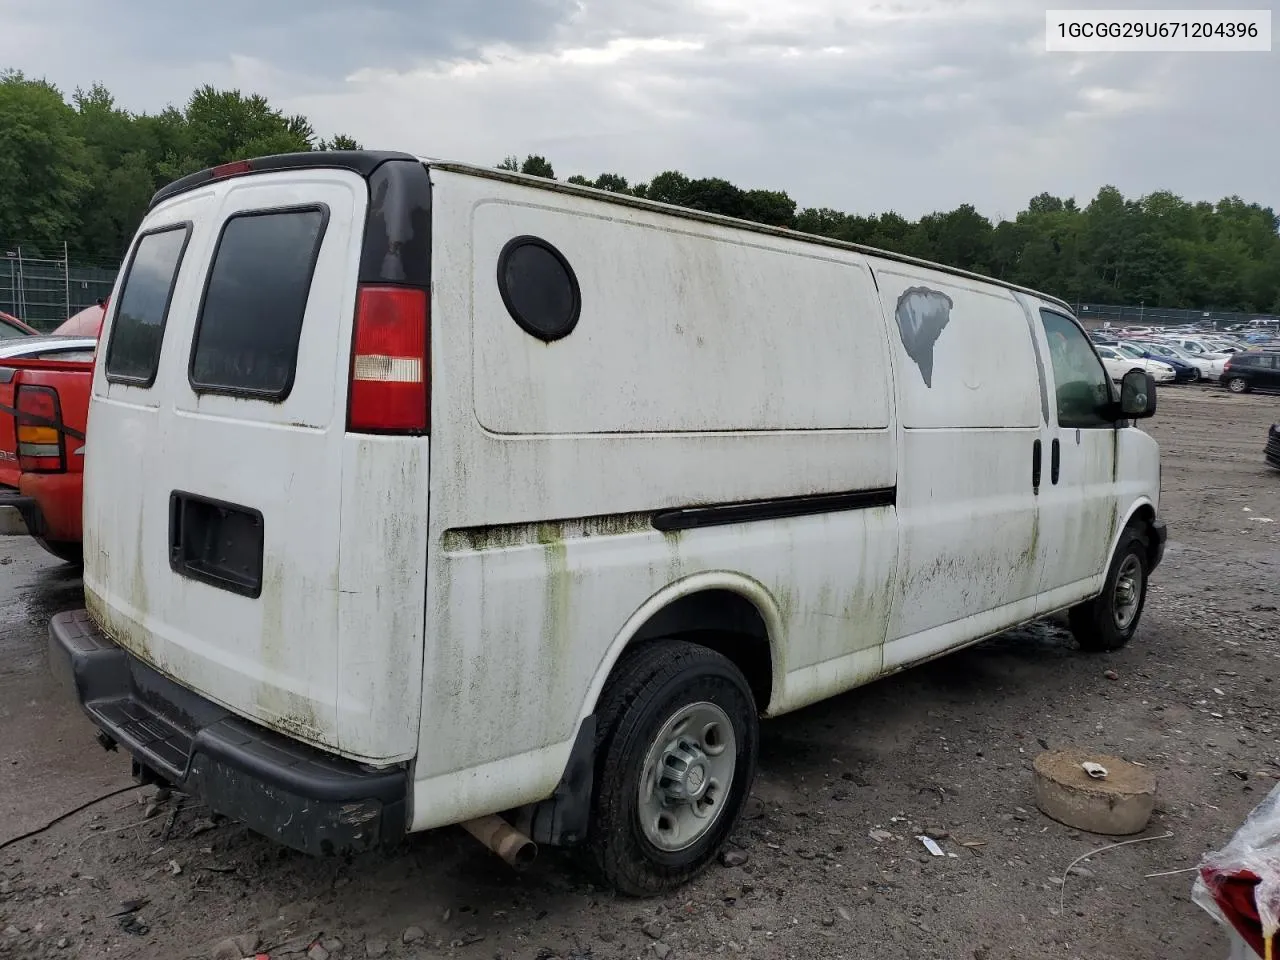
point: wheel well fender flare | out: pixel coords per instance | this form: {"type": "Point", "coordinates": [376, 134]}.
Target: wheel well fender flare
{"type": "Point", "coordinates": [746, 587]}
{"type": "Point", "coordinates": [1141, 510]}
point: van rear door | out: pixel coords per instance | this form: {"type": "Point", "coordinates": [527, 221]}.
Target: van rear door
{"type": "Point", "coordinates": [217, 439]}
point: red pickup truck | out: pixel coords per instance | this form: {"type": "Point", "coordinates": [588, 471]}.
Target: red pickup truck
{"type": "Point", "coordinates": [44, 405]}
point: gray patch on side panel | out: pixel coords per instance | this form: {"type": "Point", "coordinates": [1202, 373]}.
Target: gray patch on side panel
{"type": "Point", "coordinates": [922, 314]}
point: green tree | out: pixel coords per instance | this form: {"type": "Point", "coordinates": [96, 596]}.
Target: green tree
{"type": "Point", "coordinates": [715, 195]}
{"type": "Point", "coordinates": [773, 207]}
{"type": "Point", "coordinates": [45, 169]}
{"type": "Point", "coordinates": [339, 141]}
{"type": "Point", "coordinates": [671, 186]}
{"type": "Point", "coordinates": [613, 182]}
{"type": "Point", "coordinates": [536, 166]}
{"type": "Point", "coordinates": [226, 125]}
{"type": "Point", "coordinates": [962, 238]}
{"type": "Point", "coordinates": [83, 173]}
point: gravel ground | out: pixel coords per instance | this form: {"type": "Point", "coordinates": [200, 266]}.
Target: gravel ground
{"type": "Point", "coordinates": [832, 867]}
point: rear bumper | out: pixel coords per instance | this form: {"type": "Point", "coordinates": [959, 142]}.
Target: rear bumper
{"type": "Point", "coordinates": [27, 510]}
{"type": "Point", "coordinates": [1160, 535]}
{"type": "Point", "coordinates": [59, 498]}
{"type": "Point", "coordinates": [292, 793]}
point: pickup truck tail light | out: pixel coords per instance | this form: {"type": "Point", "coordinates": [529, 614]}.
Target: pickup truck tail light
{"type": "Point", "coordinates": [391, 363]}
{"type": "Point", "coordinates": [42, 446]}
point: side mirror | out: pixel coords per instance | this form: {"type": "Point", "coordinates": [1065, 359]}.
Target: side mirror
{"type": "Point", "coordinates": [1137, 395]}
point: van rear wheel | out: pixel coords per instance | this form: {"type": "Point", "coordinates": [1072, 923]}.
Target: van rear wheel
{"type": "Point", "coordinates": [676, 758]}
{"type": "Point", "coordinates": [1110, 620]}
{"type": "Point", "coordinates": [1238, 385]}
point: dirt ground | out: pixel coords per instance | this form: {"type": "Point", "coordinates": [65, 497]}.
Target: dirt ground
{"type": "Point", "coordinates": [947, 746]}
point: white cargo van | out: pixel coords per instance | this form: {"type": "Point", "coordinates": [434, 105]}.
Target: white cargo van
{"type": "Point", "coordinates": [419, 493]}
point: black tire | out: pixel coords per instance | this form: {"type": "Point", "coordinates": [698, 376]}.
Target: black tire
{"type": "Point", "coordinates": [67, 552]}
{"type": "Point", "coordinates": [648, 687]}
{"type": "Point", "coordinates": [1096, 625]}
{"type": "Point", "coordinates": [1238, 385]}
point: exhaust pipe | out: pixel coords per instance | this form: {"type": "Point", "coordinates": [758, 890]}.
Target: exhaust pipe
{"type": "Point", "coordinates": [503, 839]}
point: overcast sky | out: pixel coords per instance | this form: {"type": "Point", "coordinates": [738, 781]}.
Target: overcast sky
{"type": "Point", "coordinates": [911, 105]}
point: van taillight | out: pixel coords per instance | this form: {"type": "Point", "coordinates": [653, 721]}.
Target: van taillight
{"type": "Point", "coordinates": [41, 445]}
{"type": "Point", "coordinates": [390, 368]}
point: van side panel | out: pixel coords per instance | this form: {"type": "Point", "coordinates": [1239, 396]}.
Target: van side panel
{"type": "Point", "coordinates": [663, 396]}
{"type": "Point", "coordinates": [969, 398]}
{"type": "Point", "coordinates": [664, 354]}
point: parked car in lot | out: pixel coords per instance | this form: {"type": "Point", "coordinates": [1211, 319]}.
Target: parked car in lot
{"type": "Point", "coordinates": [44, 402]}
{"type": "Point", "coordinates": [1226, 345]}
{"type": "Point", "coordinates": [1183, 371]}
{"type": "Point", "coordinates": [86, 323]}
{"type": "Point", "coordinates": [11, 327]}
{"type": "Point", "coordinates": [1209, 367]}
{"type": "Point", "coordinates": [446, 526]}
{"type": "Point", "coordinates": [1273, 446]}
{"type": "Point", "coordinates": [1196, 345]}
{"type": "Point", "coordinates": [1119, 363]}
{"type": "Point", "coordinates": [1252, 370]}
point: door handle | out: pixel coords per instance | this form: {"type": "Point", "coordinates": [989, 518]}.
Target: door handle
{"type": "Point", "coordinates": [1036, 457]}
{"type": "Point", "coordinates": [1055, 460]}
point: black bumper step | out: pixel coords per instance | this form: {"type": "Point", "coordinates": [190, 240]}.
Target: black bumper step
{"type": "Point", "coordinates": [284, 789]}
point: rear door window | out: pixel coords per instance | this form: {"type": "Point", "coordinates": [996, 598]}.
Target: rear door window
{"type": "Point", "coordinates": [250, 322]}
{"type": "Point", "coordinates": [138, 332]}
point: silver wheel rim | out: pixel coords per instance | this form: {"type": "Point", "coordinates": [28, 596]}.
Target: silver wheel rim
{"type": "Point", "coordinates": [1236, 386]}
{"type": "Point", "coordinates": [1128, 592]}
{"type": "Point", "coordinates": [687, 775]}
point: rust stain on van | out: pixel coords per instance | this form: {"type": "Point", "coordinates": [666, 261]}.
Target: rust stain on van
{"type": "Point", "coordinates": [507, 536]}
{"type": "Point", "coordinates": [275, 707]}
{"type": "Point", "coordinates": [127, 632]}
{"type": "Point", "coordinates": [555, 647]}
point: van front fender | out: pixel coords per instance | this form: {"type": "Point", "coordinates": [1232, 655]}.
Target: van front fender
{"type": "Point", "coordinates": [1142, 511]}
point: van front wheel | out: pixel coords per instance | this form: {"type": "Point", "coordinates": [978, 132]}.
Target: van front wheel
{"type": "Point", "coordinates": [1110, 620]}
{"type": "Point", "coordinates": [675, 761]}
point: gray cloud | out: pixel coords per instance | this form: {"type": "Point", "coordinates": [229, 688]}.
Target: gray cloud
{"type": "Point", "coordinates": [915, 105]}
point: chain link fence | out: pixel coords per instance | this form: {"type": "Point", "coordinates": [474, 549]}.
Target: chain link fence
{"type": "Point", "coordinates": [44, 292]}
{"type": "Point", "coordinates": [1142, 315]}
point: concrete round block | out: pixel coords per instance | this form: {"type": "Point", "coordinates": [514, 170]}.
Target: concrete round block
{"type": "Point", "coordinates": [1119, 805]}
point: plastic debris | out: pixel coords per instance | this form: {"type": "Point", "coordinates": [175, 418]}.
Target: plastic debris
{"type": "Point", "coordinates": [1096, 770]}
{"type": "Point", "coordinates": [932, 846]}
{"type": "Point", "coordinates": [1239, 885]}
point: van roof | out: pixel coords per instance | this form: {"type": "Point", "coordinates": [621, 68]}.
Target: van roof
{"type": "Point", "coordinates": [365, 162]}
